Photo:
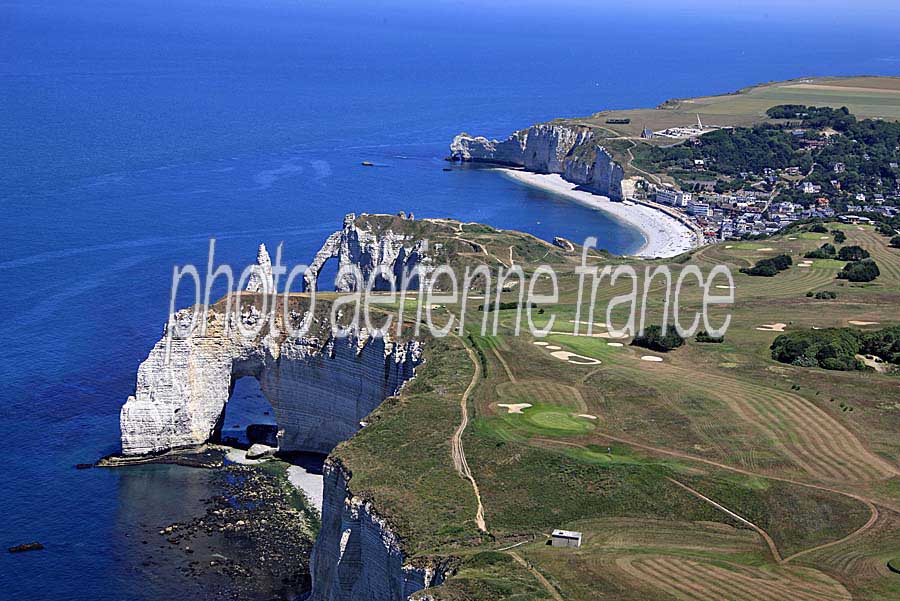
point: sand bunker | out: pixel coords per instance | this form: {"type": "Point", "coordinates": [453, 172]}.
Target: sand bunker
{"type": "Point", "coordinates": [587, 416]}
{"type": "Point", "coordinates": [616, 344]}
{"type": "Point", "coordinates": [766, 249]}
{"type": "Point", "coordinates": [724, 286]}
{"type": "Point", "coordinates": [730, 246]}
{"type": "Point", "coordinates": [772, 327]}
{"type": "Point", "coordinates": [553, 348]}
{"type": "Point", "coordinates": [575, 358]}
{"type": "Point", "coordinates": [612, 336]}
{"type": "Point", "coordinates": [599, 324]}
{"type": "Point", "coordinates": [651, 358]}
{"type": "Point", "coordinates": [514, 407]}
{"type": "Point", "coordinates": [854, 322]}
{"type": "Point", "coordinates": [791, 238]}
{"type": "Point", "coordinates": [540, 343]}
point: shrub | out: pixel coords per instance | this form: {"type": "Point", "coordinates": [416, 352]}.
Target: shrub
{"type": "Point", "coordinates": [703, 336]}
{"type": "Point", "coordinates": [831, 348]}
{"type": "Point", "coordinates": [505, 306]}
{"type": "Point", "coordinates": [826, 295]}
{"type": "Point", "coordinates": [895, 241]}
{"type": "Point", "coordinates": [769, 267]}
{"type": "Point", "coordinates": [883, 343]}
{"type": "Point", "coordinates": [818, 228]}
{"type": "Point", "coordinates": [853, 253]}
{"type": "Point", "coordinates": [860, 271]}
{"type": "Point", "coordinates": [885, 229]}
{"type": "Point", "coordinates": [839, 236]}
{"type": "Point", "coordinates": [653, 338]}
{"type": "Point", "coordinates": [826, 251]}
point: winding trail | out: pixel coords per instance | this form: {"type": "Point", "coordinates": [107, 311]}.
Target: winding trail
{"type": "Point", "coordinates": [765, 535]}
{"type": "Point", "coordinates": [456, 445]}
{"type": "Point", "coordinates": [873, 508]}
{"type": "Point", "coordinates": [540, 577]}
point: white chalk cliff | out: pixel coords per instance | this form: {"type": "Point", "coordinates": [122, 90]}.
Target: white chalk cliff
{"type": "Point", "coordinates": [572, 151]}
{"type": "Point", "coordinates": [383, 254]}
{"type": "Point", "coordinates": [357, 557]}
{"type": "Point", "coordinates": [261, 278]}
{"type": "Point", "coordinates": [319, 386]}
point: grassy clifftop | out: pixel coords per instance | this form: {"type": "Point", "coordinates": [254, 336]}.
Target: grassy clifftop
{"type": "Point", "coordinates": [711, 468]}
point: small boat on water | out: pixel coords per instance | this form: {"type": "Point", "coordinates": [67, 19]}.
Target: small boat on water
{"type": "Point", "coordinates": [368, 164]}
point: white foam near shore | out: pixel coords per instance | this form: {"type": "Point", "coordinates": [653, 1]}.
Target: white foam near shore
{"type": "Point", "coordinates": [664, 235]}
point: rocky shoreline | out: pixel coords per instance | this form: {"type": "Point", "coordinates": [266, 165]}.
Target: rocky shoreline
{"type": "Point", "coordinates": [252, 542]}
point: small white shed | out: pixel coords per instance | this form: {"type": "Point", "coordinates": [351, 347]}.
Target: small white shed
{"type": "Point", "coordinates": [565, 538]}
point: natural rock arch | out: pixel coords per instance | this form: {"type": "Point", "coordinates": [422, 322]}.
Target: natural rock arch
{"type": "Point", "coordinates": [319, 387]}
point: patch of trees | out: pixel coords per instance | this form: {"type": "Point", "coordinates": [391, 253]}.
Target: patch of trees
{"type": "Point", "coordinates": [655, 339]}
{"type": "Point", "coordinates": [895, 241]}
{"type": "Point", "coordinates": [859, 271]}
{"type": "Point", "coordinates": [826, 251]}
{"type": "Point", "coordinates": [814, 116]}
{"type": "Point", "coordinates": [836, 348]}
{"type": "Point", "coordinates": [507, 305]}
{"type": "Point", "coordinates": [822, 295]}
{"type": "Point", "coordinates": [853, 253]}
{"type": "Point", "coordinates": [818, 228]}
{"type": "Point", "coordinates": [839, 236]}
{"type": "Point", "coordinates": [883, 343]}
{"type": "Point", "coordinates": [769, 267]}
{"type": "Point", "coordinates": [704, 336]}
{"type": "Point", "coordinates": [885, 229]}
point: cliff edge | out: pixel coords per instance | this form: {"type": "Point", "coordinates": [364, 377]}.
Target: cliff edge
{"type": "Point", "coordinates": [571, 151]}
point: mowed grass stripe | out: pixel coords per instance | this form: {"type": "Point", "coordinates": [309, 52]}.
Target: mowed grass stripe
{"type": "Point", "coordinates": [792, 420]}
{"type": "Point", "coordinates": [688, 579]}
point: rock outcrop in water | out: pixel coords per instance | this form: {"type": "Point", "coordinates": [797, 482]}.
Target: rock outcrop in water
{"type": "Point", "coordinates": [573, 152]}
{"type": "Point", "coordinates": [383, 255]}
{"type": "Point", "coordinates": [261, 279]}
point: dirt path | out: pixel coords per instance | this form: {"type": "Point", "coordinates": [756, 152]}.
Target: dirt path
{"type": "Point", "coordinates": [873, 509]}
{"type": "Point", "coordinates": [540, 577]}
{"type": "Point", "coordinates": [456, 445]}
{"type": "Point", "coordinates": [509, 373]}
{"type": "Point", "coordinates": [772, 547]}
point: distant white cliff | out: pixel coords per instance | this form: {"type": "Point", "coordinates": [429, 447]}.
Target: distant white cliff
{"type": "Point", "coordinates": [572, 151]}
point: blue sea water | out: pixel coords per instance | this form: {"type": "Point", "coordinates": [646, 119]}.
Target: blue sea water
{"type": "Point", "coordinates": [131, 133]}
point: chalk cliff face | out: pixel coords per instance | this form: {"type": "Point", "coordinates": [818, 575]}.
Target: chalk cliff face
{"type": "Point", "coordinates": [319, 388]}
{"type": "Point", "coordinates": [356, 556]}
{"type": "Point", "coordinates": [383, 255]}
{"type": "Point", "coordinates": [573, 152]}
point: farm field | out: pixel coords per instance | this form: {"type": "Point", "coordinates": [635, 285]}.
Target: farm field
{"type": "Point", "coordinates": [866, 97]}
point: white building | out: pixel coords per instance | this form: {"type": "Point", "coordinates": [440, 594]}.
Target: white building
{"type": "Point", "coordinates": [672, 197]}
{"type": "Point", "coordinates": [565, 538]}
{"type": "Point", "coordinates": [699, 209]}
